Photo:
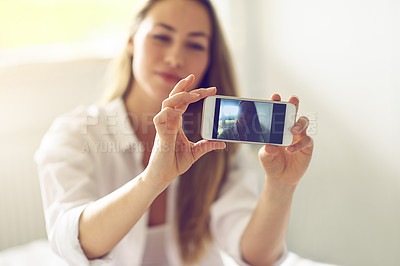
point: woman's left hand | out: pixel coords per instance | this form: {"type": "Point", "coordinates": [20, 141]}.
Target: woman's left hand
{"type": "Point", "coordinates": [288, 164]}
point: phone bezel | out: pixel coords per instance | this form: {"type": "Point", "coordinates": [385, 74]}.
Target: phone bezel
{"type": "Point", "coordinates": [207, 123]}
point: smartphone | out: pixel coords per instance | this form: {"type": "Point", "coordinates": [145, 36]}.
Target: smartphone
{"type": "Point", "coordinates": [234, 119]}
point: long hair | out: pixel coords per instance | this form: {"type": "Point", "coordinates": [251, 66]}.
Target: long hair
{"type": "Point", "coordinates": [253, 126]}
{"type": "Point", "coordinates": [199, 186]}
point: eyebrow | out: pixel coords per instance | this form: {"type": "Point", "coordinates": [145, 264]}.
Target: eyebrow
{"type": "Point", "coordinates": [192, 34]}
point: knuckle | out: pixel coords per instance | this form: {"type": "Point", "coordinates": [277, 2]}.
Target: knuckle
{"type": "Point", "coordinates": [306, 141]}
{"type": "Point", "coordinates": [168, 109]}
{"type": "Point", "coordinates": [165, 102]}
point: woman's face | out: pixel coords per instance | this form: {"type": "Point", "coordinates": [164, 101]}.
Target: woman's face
{"type": "Point", "coordinates": [246, 113]}
{"type": "Point", "coordinates": [172, 42]}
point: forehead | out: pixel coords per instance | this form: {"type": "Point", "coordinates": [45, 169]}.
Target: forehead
{"type": "Point", "coordinates": [184, 16]}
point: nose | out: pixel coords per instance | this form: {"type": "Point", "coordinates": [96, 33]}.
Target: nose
{"type": "Point", "coordinates": [174, 56]}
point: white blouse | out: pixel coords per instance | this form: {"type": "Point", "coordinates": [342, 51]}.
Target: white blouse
{"type": "Point", "coordinates": [90, 152]}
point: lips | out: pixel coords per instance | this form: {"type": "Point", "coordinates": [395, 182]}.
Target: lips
{"type": "Point", "coordinates": [169, 76]}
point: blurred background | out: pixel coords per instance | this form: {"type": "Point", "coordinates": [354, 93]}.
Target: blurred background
{"type": "Point", "coordinates": [341, 58]}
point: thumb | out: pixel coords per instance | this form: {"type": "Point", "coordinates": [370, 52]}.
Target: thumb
{"type": "Point", "coordinates": [204, 146]}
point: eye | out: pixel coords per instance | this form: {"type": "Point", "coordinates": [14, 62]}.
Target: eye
{"type": "Point", "coordinates": [162, 38]}
{"type": "Point", "coordinates": [196, 46]}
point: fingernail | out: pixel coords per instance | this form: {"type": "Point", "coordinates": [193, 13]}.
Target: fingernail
{"type": "Point", "coordinates": [290, 149]}
{"type": "Point", "coordinates": [188, 77]}
{"type": "Point", "coordinates": [296, 129]}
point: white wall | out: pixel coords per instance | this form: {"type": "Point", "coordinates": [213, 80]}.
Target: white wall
{"type": "Point", "coordinates": [342, 59]}
{"type": "Point", "coordinates": [31, 97]}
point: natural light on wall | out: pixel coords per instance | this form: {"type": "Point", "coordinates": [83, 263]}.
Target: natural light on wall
{"type": "Point", "coordinates": [342, 59]}
{"type": "Point", "coordinates": [45, 30]}
{"type": "Point", "coordinates": [53, 57]}
{"type": "Point", "coordinates": [342, 53]}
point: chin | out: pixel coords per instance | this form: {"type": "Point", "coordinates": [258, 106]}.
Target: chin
{"type": "Point", "coordinates": [163, 91]}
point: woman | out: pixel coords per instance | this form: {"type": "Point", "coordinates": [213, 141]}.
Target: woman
{"type": "Point", "coordinates": [127, 187]}
{"type": "Point", "coordinates": [247, 125]}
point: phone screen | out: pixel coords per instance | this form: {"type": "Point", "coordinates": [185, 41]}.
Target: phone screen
{"type": "Point", "coordinates": [250, 121]}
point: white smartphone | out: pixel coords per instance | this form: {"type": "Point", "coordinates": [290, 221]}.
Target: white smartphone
{"type": "Point", "coordinates": [234, 119]}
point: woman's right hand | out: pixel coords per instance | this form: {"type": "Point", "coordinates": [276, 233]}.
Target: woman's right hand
{"type": "Point", "coordinates": [173, 153]}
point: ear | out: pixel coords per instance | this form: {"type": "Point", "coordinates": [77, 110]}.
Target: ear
{"type": "Point", "coordinates": [129, 46]}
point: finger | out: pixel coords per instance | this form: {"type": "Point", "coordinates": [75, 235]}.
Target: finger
{"type": "Point", "coordinates": [204, 146]}
{"type": "Point", "coordinates": [179, 99]}
{"type": "Point", "coordinates": [276, 97]}
{"type": "Point", "coordinates": [268, 153]}
{"type": "Point", "coordinates": [295, 100]}
{"type": "Point", "coordinates": [161, 119]}
{"type": "Point", "coordinates": [300, 127]}
{"type": "Point", "coordinates": [182, 99]}
{"type": "Point", "coordinates": [303, 143]}
{"type": "Point", "coordinates": [183, 84]}
{"type": "Point", "coordinates": [205, 92]}
{"type": "Point", "coordinates": [165, 113]}
{"type": "Point", "coordinates": [271, 149]}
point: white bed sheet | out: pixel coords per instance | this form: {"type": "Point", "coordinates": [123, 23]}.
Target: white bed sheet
{"type": "Point", "coordinates": [35, 253]}
{"type": "Point", "coordinates": [38, 253]}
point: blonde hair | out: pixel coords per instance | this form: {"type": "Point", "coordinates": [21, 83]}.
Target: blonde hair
{"type": "Point", "coordinates": [199, 186]}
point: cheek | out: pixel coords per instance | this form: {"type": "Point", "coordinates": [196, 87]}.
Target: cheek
{"type": "Point", "coordinates": [144, 55]}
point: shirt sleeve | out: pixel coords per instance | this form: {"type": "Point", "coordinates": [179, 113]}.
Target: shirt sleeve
{"type": "Point", "coordinates": [232, 211]}
{"type": "Point", "coordinates": [66, 173]}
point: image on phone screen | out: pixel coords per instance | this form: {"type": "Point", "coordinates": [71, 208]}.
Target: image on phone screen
{"type": "Point", "coordinates": [249, 121]}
